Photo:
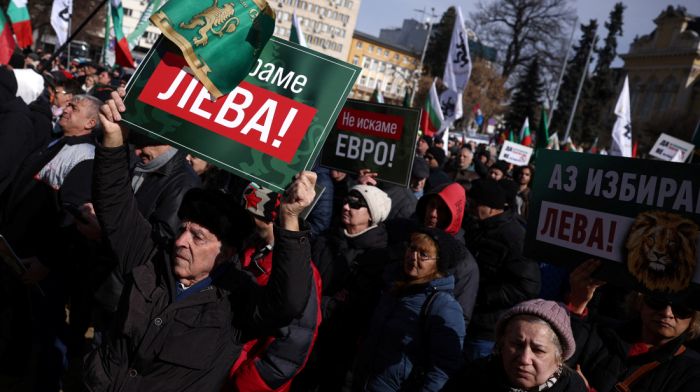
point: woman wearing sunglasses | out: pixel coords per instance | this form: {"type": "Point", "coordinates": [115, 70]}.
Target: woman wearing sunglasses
{"type": "Point", "coordinates": [350, 258]}
{"type": "Point", "coordinates": [650, 344]}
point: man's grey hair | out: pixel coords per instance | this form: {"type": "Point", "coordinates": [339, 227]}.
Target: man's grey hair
{"type": "Point", "coordinates": [471, 154]}
{"type": "Point", "coordinates": [93, 105]}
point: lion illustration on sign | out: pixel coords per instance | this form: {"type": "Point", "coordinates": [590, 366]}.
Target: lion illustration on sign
{"type": "Point", "coordinates": [210, 18]}
{"type": "Point", "coordinates": [662, 253]}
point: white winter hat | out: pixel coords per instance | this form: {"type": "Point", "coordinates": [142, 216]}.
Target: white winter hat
{"type": "Point", "coordinates": [379, 204]}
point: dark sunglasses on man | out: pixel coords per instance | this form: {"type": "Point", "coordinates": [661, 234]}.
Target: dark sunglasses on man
{"type": "Point", "coordinates": [355, 204]}
{"type": "Point", "coordinates": [680, 312]}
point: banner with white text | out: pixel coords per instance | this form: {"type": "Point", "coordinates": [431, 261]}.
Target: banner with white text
{"type": "Point", "coordinates": [640, 217]}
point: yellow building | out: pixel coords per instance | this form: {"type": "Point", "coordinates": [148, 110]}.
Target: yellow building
{"type": "Point", "coordinates": [383, 63]}
{"type": "Point", "coordinates": [663, 67]}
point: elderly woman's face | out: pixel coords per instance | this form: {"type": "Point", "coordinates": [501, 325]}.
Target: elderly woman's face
{"type": "Point", "coordinates": [663, 323]}
{"type": "Point", "coordinates": [529, 355]}
{"type": "Point", "coordinates": [353, 216]}
{"type": "Point", "coordinates": [419, 262]}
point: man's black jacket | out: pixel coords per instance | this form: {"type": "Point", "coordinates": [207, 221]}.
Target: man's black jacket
{"type": "Point", "coordinates": [155, 343]}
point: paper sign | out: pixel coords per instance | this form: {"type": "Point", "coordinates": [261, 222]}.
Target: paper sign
{"type": "Point", "coordinates": [373, 136]}
{"type": "Point", "coordinates": [269, 128]}
{"type": "Point", "coordinates": [640, 217]}
{"type": "Point", "coordinates": [515, 153]}
{"type": "Point", "coordinates": [667, 146]}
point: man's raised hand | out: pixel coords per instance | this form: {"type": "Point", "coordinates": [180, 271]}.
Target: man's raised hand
{"type": "Point", "coordinates": [110, 115]}
{"type": "Point", "coordinates": [299, 195]}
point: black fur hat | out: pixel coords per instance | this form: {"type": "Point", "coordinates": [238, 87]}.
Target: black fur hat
{"type": "Point", "coordinates": [450, 251]}
{"type": "Point", "coordinates": [219, 213]}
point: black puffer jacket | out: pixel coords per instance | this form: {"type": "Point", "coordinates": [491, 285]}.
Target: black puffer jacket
{"type": "Point", "coordinates": [403, 201]}
{"type": "Point", "coordinates": [488, 375]}
{"type": "Point", "coordinates": [156, 343]}
{"type": "Point", "coordinates": [41, 118]}
{"type": "Point", "coordinates": [506, 277]}
{"type": "Point", "coordinates": [602, 351]}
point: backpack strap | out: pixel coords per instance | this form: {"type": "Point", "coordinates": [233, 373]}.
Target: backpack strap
{"type": "Point", "coordinates": [631, 381]}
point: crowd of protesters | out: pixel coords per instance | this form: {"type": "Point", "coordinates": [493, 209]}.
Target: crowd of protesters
{"type": "Point", "coordinates": [194, 279]}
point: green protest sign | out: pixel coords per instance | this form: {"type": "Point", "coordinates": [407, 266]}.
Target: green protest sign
{"type": "Point", "coordinates": [373, 136]}
{"type": "Point", "coordinates": [269, 128]}
{"type": "Point", "coordinates": [640, 217]}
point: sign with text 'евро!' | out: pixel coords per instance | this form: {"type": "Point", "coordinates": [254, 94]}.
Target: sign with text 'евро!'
{"type": "Point", "coordinates": [640, 217]}
{"type": "Point", "coordinates": [373, 136]}
{"type": "Point", "coordinates": [269, 128]}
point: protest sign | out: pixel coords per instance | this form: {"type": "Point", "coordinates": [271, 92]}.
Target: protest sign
{"type": "Point", "coordinates": [269, 128]}
{"type": "Point", "coordinates": [373, 136]}
{"type": "Point", "coordinates": [667, 146]}
{"type": "Point", "coordinates": [639, 217]}
{"type": "Point", "coordinates": [515, 153]}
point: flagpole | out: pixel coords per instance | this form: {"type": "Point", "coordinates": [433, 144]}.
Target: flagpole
{"type": "Point", "coordinates": [422, 57]}
{"type": "Point", "coordinates": [580, 85]}
{"type": "Point", "coordinates": [70, 22]}
{"type": "Point", "coordinates": [561, 75]}
{"type": "Point", "coordinates": [82, 25]}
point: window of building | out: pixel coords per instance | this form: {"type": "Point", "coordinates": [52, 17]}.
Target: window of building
{"type": "Point", "coordinates": [279, 16]}
{"type": "Point", "coordinates": [398, 89]}
{"type": "Point", "coordinates": [371, 82]}
{"type": "Point", "coordinates": [355, 60]}
{"type": "Point", "coordinates": [313, 24]}
{"type": "Point", "coordinates": [363, 79]}
{"type": "Point", "coordinates": [127, 11]}
{"type": "Point", "coordinates": [289, 2]}
{"type": "Point", "coordinates": [413, 61]}
{"type": "Point", "coordinates": [405, 59]}
{"type": "Point", "coordinates": [649, 98]}
{"type": "Point", "coordinates": [301, 20]}
{"type": "Point", "coordinates": [382, 67]}
{"type": "Point", "coordinates": [335, 15]}
{"type": "Point", "coordinates": [310, 7]}
{"type": "Point", "coordinates": [315, 40]}
{"type": "Point", "coordinates": [371, 48]}
{"type": "Point", "coordinates": [306, 22]}
{"type": "Point", "coordinates": [345, 3]}
{"type": "Point", "coordinates": [373, 67]}
{"type": "Point", "coordinates": [667, 94]}
{"type": "Point", "coordinates": [396, 57]}
{"type": "Point", "coordinates": [359, 45]}
{"type": "Point", "coordinates": [346, 19]}
{"type": "Point", "coordinates": [379, 84]}
{"type": "Point", "coordinates": [334, 46]}
{"type": "Point", "coordinates": [302, 5]}
{"type": "Point", "coordinates": [316, 9]}
{"type": "Point", "coordinates": [386, 53]}
{"type": "Point", "coordinates": [340, 47]}
{"type": "Point", "coordinates": [351, 95]}
{"type": "Point", "coordinates": [285, 17]}
{"type": "Point", "coordinates": [277, 29]}
{"type": "Point", "coordinates": [379, 50]}
{"type": "Point", "coordinates": [322, 10]}
{"type": "Point", "coordinates": [296, 3]}
{"type": "Point", "coordinates": [283, 31]}
{"type": "Point", "coordinates": [342, 33]}
{"type": "Point", "coordinates": [329, 13]}
{"type": "Point", "coordinates": [388, 87]}
{"type": "Point", "coordinates": [349, 4]}
{"type": "Point", "coordinates": [636, 92]}
{"type": "Point", "coordinates": [323, 42]}
{"type": "Point", "coordinates": [325, 28]}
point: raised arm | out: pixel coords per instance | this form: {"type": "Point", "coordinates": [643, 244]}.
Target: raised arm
{"type": "Point", "coordinates": [123, 227]}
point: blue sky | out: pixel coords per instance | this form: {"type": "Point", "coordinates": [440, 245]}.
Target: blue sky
{"type": "Point", "coordinates": [638, 16]}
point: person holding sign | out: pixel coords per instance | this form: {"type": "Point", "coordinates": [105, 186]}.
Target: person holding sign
{"type": "Point", "coordinates": [645, 354]}
{"type": "Point", "coordinates": [187, 311]}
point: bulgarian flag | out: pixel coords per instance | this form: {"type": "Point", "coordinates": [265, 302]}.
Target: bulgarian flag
{"type": "Point", "coordinates": [19, 15]}
{"type": "Point", "coordinates": [7, 42]}
{"type": "Point", "coordinates": [570, 146]}
{"type": "Point", "coordinates": [431, 115]}
{"type": "Point", "coordinates": [634, 150]}
{"type": "Point", "coordinates": [296, 35]}
{"type": "Point", "coordinates": [525, 138]}
{"type": "Point", "coordinates": [121, 49]}
{"type": "Point", "coordinates": [377, 94]}
{"type": "Point", "coordinates": [594, 148]}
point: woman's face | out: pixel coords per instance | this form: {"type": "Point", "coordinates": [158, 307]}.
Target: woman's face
{"type": "Point", "coordinates": [529, 356]}
{"type": "Point", "coordinates": [352, 217]}
{"type": "Point", "coordinates": [663, 323]}
{"type": "Point", "coordinates": [419, 263]}
{"type": "Point", "coordinates": [89, 82]}
{"type": "Point", "coordinates": [198, 165]}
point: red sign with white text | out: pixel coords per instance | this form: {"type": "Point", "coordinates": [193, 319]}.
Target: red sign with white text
{"type": "Point", "coordinates": [250, 115]}
{"type": "Point", "coordinates": [368, 123]}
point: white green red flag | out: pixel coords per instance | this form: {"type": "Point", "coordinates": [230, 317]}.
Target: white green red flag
{"type": "Point", "coordinates": [377, 95]}
{"type": "Point", "coordinates": [121, 48]}
{"type": "Point", "coordinates": [296, 35]}
{"type": "Point", "coordinates": [594, 147]}
{"type": "Point", "coordinates": [431, 116]}
{"type": "Point", "coordinates": [570, 146]}
{"type": "Point", "coordinates": [7, 42]}
{"type": "Point", "coordinates": [108, 57]}
{"type": "Point", "coordinates": [525, 137]}
{"type": "Point", "coordinates": [136, 35]}
{"type": "Point", "coordinates": [553, 142]}
{"type": "Point", "coordinates": [19, 15]}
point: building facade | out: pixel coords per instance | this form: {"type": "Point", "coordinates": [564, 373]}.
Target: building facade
{"type": "Point", "coordinates": [384, 64]}
{"type": "Point", "coordinates": [326, 24]}
{"type": "Point", "coordinates": [133, 9]}
{"type": "Point", "coordinates": [663, 67]}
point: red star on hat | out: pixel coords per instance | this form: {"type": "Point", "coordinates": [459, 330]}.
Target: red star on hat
{"type": "Point", "coordinates": [252, 200]}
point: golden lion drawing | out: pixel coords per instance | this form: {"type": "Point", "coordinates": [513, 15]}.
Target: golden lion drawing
{"type": "Point", "coordinates": [662, 253]}
{"type": "Point", "coordinates": [210, 18]}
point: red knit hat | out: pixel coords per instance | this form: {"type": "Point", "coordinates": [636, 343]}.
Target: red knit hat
{"type": "Point", "coordinates": [555, 313]}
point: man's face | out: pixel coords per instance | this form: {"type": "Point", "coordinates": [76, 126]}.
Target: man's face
{"type": "Point", "coordinates": [524, 177]}
{"type": "Point", "coordinates": [197, 251]}
{"type": "Point", "coordinates": [464, 159]}
{"type": "Point", "coordinates": [439, 144]}
{"type": "Point", "coordinates": [149, 153]}
{"type": "Point", "coordinates": [104, 78]}
{"type": "Point", "coordinates": [75, 120]}
{"type": "Point", "coordinates": [437, 214]}
{"type": "Point", "coordinates": [61, 98]}
{"type": "Point", "coordinates": [90, 70]}
{"type": "Point", "coordinates": [478, 211]}
{"type": "Point", "coordinates": [421, 147]}
{"type": "Point", "coordinates": [483, 159]}
{"type": "Point", "coordinates": [417, 184]}
{"type": "Point", "coordinates": [197, 164]}
{"type": "Point", "coordinates": [432, 162]}
{"type": "Point", "coordinates": [496, 174]}
{"type": "Point", "coordinates": [337, 176]}
{"type": "Point", "coordinates": [81, 71]}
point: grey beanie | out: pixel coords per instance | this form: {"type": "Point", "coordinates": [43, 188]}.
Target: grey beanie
{"type": "Point", "coordinates": [379, 204]}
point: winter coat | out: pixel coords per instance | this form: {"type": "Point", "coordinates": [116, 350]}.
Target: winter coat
{"type": "Point", "coordinates": [403, 201]}
{"type": "Point", "coordinates": [506, 277]}
{"type": "Point", "coordinates": [157, 343]}
{"type": "Point", "coordinates": [394, 345]}
{"type": "Point", "coordinates": [320, 216]}
{"type": "Point", "coordinates": [466, 271]}
{"type": "Point", "coordinates": [436, 177]}
{"type": "Point", "coordinates": [32, 207]}
{"type": "Point", "coordinates": [488, 375]}
{"type": "Point", "coordinates": [602, 352]}
{"type": "Point", "coordinates": [16, 138]}
{"type": "Point", "coordinates": [467, 174]}
{"type": "Point", "coordinates": [269, 363]}
{"type": "Point", "coordinates": [159, 196]}
{"type": "Point", "coordinates": [41, 118]}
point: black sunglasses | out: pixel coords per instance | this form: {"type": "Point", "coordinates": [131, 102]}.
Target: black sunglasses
{"type": "Point", "coordinates": [354, 203]}
{"type": "Point", "coordinates": [678, 311]}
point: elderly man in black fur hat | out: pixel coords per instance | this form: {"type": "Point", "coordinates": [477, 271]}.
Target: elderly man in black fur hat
{"type": "Point", "coordinates": [186, 311]}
